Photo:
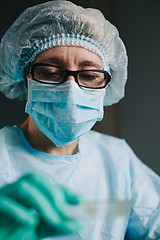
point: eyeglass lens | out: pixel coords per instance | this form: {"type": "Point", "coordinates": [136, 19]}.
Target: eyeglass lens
{"type": "Point", "coordinates": [57, 75]}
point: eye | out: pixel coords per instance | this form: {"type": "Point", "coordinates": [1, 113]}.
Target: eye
{"type": "Point", "coordinates": [48, 73]}
{"type": "Point", "coordinates": [88, 76]}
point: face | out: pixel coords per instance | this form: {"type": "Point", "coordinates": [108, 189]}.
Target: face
{"type": "Point", "coordinates": [71, 58]}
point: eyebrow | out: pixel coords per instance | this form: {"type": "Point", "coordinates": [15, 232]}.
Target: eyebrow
{"type": "Point", "coordinates": [91, 64]}
{"type": "Point", "coordinates": [53, 60]}
{"type": "Point", "coordinates": [60, 62]}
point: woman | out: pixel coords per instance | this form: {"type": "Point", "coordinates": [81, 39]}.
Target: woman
{"type": "Point", "coordinates": [68, 62]}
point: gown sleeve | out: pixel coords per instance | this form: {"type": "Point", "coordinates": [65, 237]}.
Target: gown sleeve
{"type": "Point", "coordinates": [144, 222]}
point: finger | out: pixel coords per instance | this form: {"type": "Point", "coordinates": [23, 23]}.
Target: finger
{"type": "Point", "coordinates": [71, 197]}
{"type": "Point", "coordinates": [65, 227]}
{"type": "Point", "coordinates": [70, 226]}
{"type": "Point", "coordinates": [53, 191]}
{"type": "Point", "coordinates": [35, 191]}
{"type": "Point", "coordinates": [56, 194]}
{"type": "Point", "coordinates": [9, 209]}
{"type": "Point", "coordinates": [37, 200]}
{"type": "Point", "coordinates": [30, 196]}
{"type": "Point", "coordinates": [13, 231]}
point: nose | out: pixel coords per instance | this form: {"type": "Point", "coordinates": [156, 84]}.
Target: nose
{"type": "Point", "coordinates": [70, 78]}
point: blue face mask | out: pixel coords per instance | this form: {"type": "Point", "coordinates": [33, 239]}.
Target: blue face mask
{"type": "Point", "coordinates": [65, 112]}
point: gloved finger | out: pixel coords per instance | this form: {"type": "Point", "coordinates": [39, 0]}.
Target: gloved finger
{"type": "Point", "coordinates": [33, 197]}
{"type": "Point", "coordinates": [48, 223]}
{"type": "Point", "coordinates": [70, 226]}
{"type": "Point", "coordinates": [26, 193]}
{"type": "Point", "coordinates": [30, 195]}
{"type": "Point", "coordinates": [13, 211]}
{"type": "Point", "coordinates": [53, 192]}
{"type": "Point", "coordinates": [65, 227]}
{"type": "Point", "coordinates": [59, 196]}
{"type": "Point", "coordinates": [71, 197]}
{"type": "Point", "coordinates": [12, 231]}
{"type": "Point", "coordinates": [16, 222]}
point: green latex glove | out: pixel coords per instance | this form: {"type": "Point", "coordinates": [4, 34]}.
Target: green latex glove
{"type": "Point", "coordinates": [34, 208]}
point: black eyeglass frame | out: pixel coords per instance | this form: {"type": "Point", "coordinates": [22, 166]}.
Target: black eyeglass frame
{"type": "Point", "coordinates": [107, 76]}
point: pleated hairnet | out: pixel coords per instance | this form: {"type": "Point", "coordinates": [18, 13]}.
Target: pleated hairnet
{"type": "Point", "coordinates": [57, 23]}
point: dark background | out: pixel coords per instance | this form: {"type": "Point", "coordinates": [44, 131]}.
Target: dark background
{"type": "Point", "coordinates": [136, 118]}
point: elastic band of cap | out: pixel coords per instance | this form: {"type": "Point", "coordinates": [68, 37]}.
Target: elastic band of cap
{"type": "Point", "coordinates": [65, 40]}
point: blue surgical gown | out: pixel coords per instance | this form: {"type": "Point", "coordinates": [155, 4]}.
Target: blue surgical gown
{"type": "Point", "coordinates": [105, 167]}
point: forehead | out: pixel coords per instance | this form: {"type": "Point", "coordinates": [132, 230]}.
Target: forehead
{"type": "Point", "coordinates": [69, 55]}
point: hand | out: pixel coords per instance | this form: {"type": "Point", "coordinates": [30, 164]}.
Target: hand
{"type": "Point", "coordinates": [34, 208]}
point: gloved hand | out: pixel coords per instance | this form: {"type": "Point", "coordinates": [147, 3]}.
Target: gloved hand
{"type": "Point", "coordinates": [34, 208]}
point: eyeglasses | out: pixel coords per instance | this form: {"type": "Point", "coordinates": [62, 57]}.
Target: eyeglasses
{"type": "Point", "coordinates": [52, 74]}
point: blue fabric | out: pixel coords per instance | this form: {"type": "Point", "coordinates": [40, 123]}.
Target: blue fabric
{"type": "Point", "coordinates": [104, 168]}
{"type": "Point", "coordinates": [64, 112]}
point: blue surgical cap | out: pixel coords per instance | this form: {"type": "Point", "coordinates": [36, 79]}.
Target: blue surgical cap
{"type": "Point", "coordinates": [60, 23]}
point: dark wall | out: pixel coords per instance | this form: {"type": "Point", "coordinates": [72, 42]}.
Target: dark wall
{"type": "Point", "coordinates": [139, 26]}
